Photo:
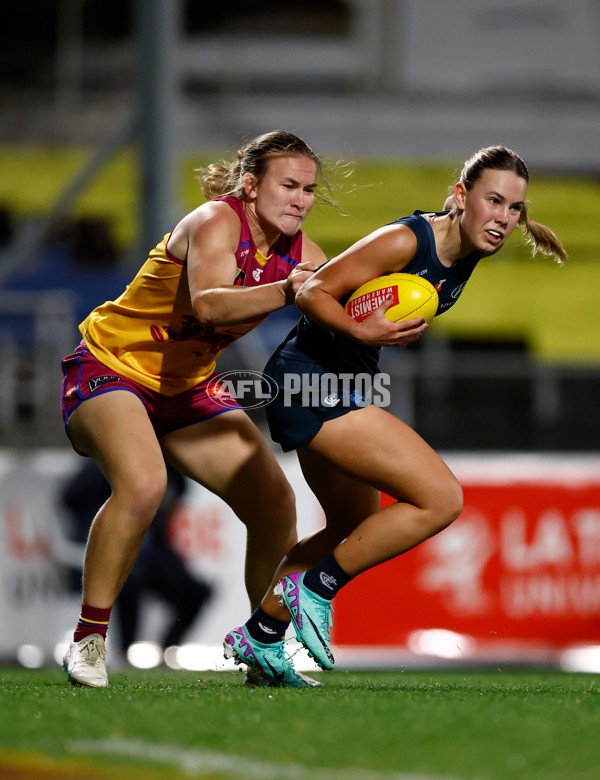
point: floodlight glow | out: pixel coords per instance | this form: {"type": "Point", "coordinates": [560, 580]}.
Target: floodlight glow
{"type": "Point", "coordinates": [144, 655]}
{"type": "Point", "coordinates": [30, 656]}
{"type": "Point", "coordinates": [170, 657]}
{"type": "Point", "coordinates": [60, 648]}
{"type": "Point", "coordinates": [442, 643]}
{"type": "Point", "coordinates": [202, 658]}
{"type": "Point", "coordinates": [581, 659]}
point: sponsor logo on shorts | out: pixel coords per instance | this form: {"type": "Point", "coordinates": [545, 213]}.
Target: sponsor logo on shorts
{"type": "Point", "coordinates": [98, 381]}
{"type": "Point", "coordinates": [357, 398]}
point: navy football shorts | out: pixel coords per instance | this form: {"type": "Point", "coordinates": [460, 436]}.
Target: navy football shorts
{"type": "Point", "coordinates": [308, 396]}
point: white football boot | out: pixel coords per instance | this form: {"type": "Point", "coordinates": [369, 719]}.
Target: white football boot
{"type": "Point", "coordinates": [84, 662]}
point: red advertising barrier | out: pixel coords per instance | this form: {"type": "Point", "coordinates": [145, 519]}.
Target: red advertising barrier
{"type": "Point", "coordinates": [521, 564]}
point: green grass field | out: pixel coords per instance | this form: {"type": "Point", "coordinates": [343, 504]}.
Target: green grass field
{"type": "Point", "coordinates": [403, 725]}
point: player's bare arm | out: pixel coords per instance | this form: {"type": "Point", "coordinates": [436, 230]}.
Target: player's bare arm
{"type": "Point", "coordinates": [385, 251]}
{"type": "Point", "coordinates": [212, 237]}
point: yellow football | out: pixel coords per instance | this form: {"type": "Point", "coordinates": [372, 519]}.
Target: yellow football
{"type": "Point", "coordinates": [412, 296]}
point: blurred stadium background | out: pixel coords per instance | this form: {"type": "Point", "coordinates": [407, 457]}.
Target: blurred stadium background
{"type": "Point", "coordinates": [109, 106]}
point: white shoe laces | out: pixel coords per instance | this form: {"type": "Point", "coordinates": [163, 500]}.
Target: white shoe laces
{"type": "Point", "coordinates": [92, 646]}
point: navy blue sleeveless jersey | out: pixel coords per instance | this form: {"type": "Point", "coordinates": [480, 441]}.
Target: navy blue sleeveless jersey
{"type": "Point", "coordinates": [449, 282]}
{"type": "Point", "coordinates": [312, 351]}
{"type": "Point", "coordinates": [336, 353]}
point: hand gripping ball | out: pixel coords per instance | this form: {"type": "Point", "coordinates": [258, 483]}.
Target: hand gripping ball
{"type": "Point", "coordinates": [412, 296]}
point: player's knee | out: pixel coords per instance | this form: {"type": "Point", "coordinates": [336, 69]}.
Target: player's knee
{"type": "Point", "coordinates": [283, 508]}
{"type": "Point", "coordinates": [277, 494]}
{"type": "Point", "coordinates": [456, 503]}
{"type": "Point", "coordinates": [288, 502]}
{"type": "Point", "coordinates": [287, 499]}
{"type": "Point", "coordinates": [142, 498]}
{"type": "Point", "coordinates": [449, 505]}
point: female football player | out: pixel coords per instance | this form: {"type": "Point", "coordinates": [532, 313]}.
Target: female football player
{"type": "Point", "coordinates": [139, 389]}
{"type": "Point", "coordinates": [350, 450]}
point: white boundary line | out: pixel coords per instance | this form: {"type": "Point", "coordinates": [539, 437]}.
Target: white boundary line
{"type": "Point", "coordinates": [193, 761]}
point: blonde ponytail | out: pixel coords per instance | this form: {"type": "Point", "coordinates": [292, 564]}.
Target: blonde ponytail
{"type": "Point", "coordinates": [541, 238]}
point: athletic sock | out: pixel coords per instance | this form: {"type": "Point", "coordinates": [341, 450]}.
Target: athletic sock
{"type": "Point", "coordinates": [93, 620]}
{"type": "Point", "coordinates": [265, 628]}
{"type": "Point", "coordinates": [327, 578]}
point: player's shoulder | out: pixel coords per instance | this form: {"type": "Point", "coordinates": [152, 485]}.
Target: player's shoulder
{"type": "Point", "coordinates": [214, 215]}
{"type": "Point", "coordinates": [415, 221]}
{"type": "Point", "coordinates": [416, 227]}
{"type": "Point", "coordinates": [312, 252]}
{"type": "Point", "coordinates": [397, 234]}
{"type": "Point", "coordinates": [212, 221]}
{"type": "Point", "coordinates": [214, 211]}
